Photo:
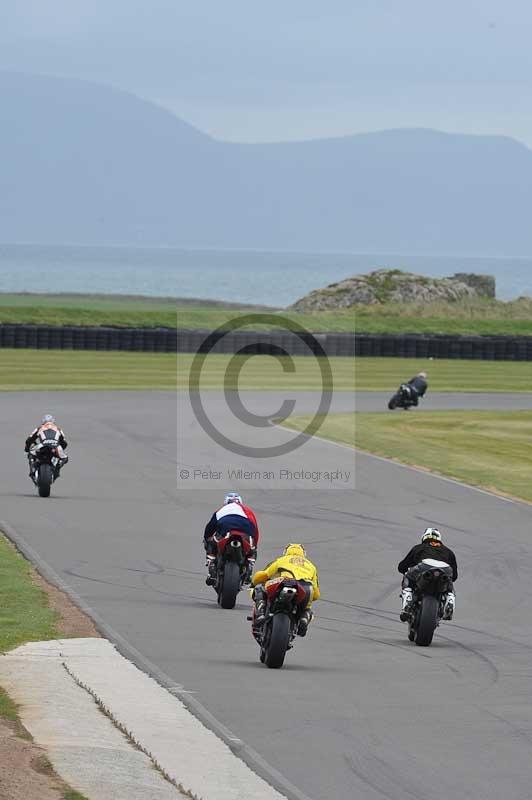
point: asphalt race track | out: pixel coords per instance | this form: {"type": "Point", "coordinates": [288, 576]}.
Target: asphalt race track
{"type": "Point", "coordinates": [358, 711]}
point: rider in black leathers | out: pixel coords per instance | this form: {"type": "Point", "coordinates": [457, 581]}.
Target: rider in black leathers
{"type": "Point", "coordinates": [431, 547]}
{"type": "Point", "coordinates": [418, 386]}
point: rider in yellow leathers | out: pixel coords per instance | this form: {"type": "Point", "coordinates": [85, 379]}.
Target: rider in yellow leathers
{"type": "Point", "coordinates": [292, 564]}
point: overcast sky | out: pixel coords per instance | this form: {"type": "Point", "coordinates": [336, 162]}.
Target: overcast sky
{"type": "Point", "coordinates": [292, 69]}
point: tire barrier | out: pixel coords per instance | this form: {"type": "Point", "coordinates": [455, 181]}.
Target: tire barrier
{"type": "Point", "coordinates": [168, 340]}
{"type": "Point", "coordinates": [43, 337]}
{"type": "Point", "coordinates": [438, 346]}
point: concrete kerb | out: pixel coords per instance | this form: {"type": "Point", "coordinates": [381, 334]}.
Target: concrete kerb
{"type": "Point", "coordinates": [240, 749]}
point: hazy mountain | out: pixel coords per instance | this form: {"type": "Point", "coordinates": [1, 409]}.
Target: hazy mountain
{"type": "Point", "coordinates": [85, 163]}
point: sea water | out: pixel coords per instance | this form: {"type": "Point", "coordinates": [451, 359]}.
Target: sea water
{"type": "Point", "coordinates": [258, 277]}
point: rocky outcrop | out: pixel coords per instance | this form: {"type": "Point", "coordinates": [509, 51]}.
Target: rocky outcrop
{"type": "Point", "coordinates": [395, 286]}
{"type": "Point", "coordinates": [484, 285]}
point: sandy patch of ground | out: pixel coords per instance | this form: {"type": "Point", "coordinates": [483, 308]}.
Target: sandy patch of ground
{"type": "Point", "coordinates": [24, 770]}
{"type": "Point", "coordinates": [73, 622]}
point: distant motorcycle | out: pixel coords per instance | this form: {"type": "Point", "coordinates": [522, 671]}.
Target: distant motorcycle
{"type": "Point", "coordinates": [431, 581]}
{"type": "Point", "coordinates": [285, 599]}
{"type": "Point", "coordinates": [405, 397]}
{"type": "Point", "coordinates": [232, 566]}
{"type": "Point", "coordinates": [44, 464]}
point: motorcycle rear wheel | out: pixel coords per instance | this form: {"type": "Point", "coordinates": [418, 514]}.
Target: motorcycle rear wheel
{"type": "Point", "coordinates": [278, 643]}
{"type": "Point", "coordinates": [427, 619]}
{"type": "Point", "coordinates": [44, 480]}
{"type": "Point", "coordinates": [230, 585]}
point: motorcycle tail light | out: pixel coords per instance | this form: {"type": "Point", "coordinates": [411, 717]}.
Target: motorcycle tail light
{"type": "Point", "coordinates": [288, 590]}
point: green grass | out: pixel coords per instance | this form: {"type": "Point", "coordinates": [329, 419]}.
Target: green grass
{"type": "Point", "coordinates": [99, 302]}
{"type": "Point", "coordinates": [8, 709]}
{"type": "Point", "coordinates": [488, 449]}
{"type": "Point", "coordinates": [265, 372]}
{"type": "Point", "coordinates": [142, 312]}
{"type": "Point", "coordinates": [24, 612]}
{"type": "Point", "coordinates": [42, 309]}
{"type": "Point", "coordinates": [50, 370]}
{"type": "Point", "coordinates": [445, 375]}
{"type": "Point", "coordinates": [476, 316]}
{"type": "Point", "coordinates": [36, 370]}
{"type": "Point", "coordinates": [25, 616]}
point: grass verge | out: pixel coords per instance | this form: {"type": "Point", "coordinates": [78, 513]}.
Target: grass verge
{"type": "Point", "coordinates": [144, 312]}
{"type": "Point", "coordinates": [65, 370]}
{"type": "Point", "coordinates": [492, 450]}
{"type": "Point", "coordinates": [55, 370]}
{"type": "Point", "coordinates": [474, 316]}
{"type": "Point", "coordinates": [25, 616]}
{"type": "Point", "coordinates": [8, 709]}
{"type": "Point", "coordinates": [445, 375]}
{"type": "Point", "coordinates": [24, 612]}
{"type": "Point", "coordinates": [51, 370]}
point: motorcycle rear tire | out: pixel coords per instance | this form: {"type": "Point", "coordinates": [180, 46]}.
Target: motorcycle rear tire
{"type": "Point", "coordinates": [428, 615]}
{"type": "Point", "coordinates": [278, 643]}
{"type": "Point", "coordinates": [230, 585]}
{"type": "Point", "coordinates": [44, 480]}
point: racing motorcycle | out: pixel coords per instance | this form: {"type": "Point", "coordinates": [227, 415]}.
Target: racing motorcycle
{"type": "Point", "coordinates": [44, 466]}
{"type": "Point", "coordinates": [285, 599]}
{"type": "Point", "coordinates": [431, 580]}
{"type": "Point", "coordinates": [233, 566]}
{"type": "Point", "coordinates": [404, 397]}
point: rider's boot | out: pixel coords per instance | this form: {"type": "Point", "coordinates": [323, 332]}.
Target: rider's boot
{"type": "Point", "coordinates": [250, 566]}
{"type": "Point", "coordinates": [448, 608]}
{"type": "Point", "coordinates": [210, 580]}
{"type": "Point", "coordinates": [210, 563]}
{"type": "Point", "coordinates": [259, 615]}
{"type": "Point", "coordinates": [59, 467]}
{"type": "Point", "coordinates": [406, 603]}
{"type": "Point", "coordinates": [304, 622]}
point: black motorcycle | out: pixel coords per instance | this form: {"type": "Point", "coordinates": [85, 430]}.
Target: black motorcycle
{"type": "Point", "coordinates": [44, 466]}
{"type": "Point", "coordinates": [285, 599]}
{"type": "Point", "coordinates": [430, 581]}
{"type": "Point", "coordinates": [232, 566]}
{"type": "Point", "coordinates": [405, 397]}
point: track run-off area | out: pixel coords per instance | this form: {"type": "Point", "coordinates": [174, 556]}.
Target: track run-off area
{"type": "Point", "coordinates": [357, 711]}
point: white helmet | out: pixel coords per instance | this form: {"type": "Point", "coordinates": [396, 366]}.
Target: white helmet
{"type": "Point", "coordinates": [431, 535]}
{"type": "Point", "coordinates": [232, 497]}
{"type": "Point", "coordinates": [47, 418]}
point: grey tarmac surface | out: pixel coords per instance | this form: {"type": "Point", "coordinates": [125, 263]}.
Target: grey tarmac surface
{"type": "Point", "coordinates": [358, 711]}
